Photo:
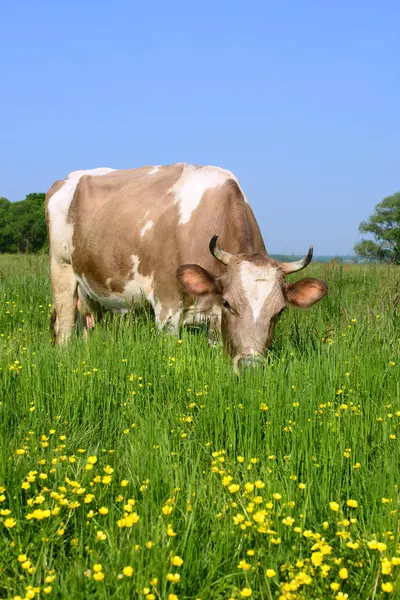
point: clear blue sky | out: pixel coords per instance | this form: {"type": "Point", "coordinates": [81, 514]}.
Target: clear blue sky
{"type": "Point", "coordinates": [301, 99]}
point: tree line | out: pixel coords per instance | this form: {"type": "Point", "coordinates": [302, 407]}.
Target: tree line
{"type": "Point", "coordinates": [23, 228]}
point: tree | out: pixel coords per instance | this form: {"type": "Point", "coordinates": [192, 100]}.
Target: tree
{"type": "Point", "coordinates": [22, 224]}
{"type": "Point", "coordinates": [384, 225]}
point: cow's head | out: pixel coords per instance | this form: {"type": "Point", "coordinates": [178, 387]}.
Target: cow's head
{"type": "Point", "coordinates": [253, 293]}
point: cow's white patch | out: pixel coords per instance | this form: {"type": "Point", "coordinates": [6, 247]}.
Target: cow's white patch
{"type": "Point", "coordinates": [258, 282]}
{"type": "Point", "coordinates": [154, 170]}
{"type": "Point", "coordinates": [192, 184]}
{"type": "Point", "coordinates": [59, 203]}
{"type": "Point", "coordinates": [139, 288]}
{"type": "Point", "coordinates": [148, 226]}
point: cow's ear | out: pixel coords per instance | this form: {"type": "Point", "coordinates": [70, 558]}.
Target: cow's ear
{"type": "Point", "coordinates": [305, 292]}
{"type": "Point", "coordinates": [196, 280]}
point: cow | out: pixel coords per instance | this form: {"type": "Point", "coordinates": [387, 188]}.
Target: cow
{"type": "Point", "coordinates": [117, 237]}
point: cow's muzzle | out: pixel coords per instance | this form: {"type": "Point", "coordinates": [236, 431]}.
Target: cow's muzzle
{"type": "Point", "coordinates": [247, 361]}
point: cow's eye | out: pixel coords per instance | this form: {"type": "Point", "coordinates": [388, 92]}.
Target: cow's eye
{"type": "Point", "coordinates": [226, 304]}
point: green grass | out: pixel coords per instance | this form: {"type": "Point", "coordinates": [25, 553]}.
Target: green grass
{"type": "Point", "coordinates": [172, 419]}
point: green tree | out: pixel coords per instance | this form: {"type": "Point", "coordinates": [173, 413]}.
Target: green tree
{"type": "Point", "coordinates": [384, 225]}
{"type": "Point", "coordinates": [22, 224]}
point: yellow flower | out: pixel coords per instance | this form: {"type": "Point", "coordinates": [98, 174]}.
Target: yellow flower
{"type": "Point", "coordinates": [172, 597]}
{"type": "Point", "coordinates": [127, 571]}
{"type": "Point", "coordinates": [177, 561]}
{"type": "Point", "coordinates": [386, 566]}
{"type": "Point", "coordinates": [334, 506]}
{"type": "Point", "coordinates": [270, 573]}
{"type": "Point", "coordinates": [352, 503]}
{"type": "Point", "coordinates": [244, 565]}
{"type": "Point", "coordinates": [170, 531]}
{"type": "Point", "coordinates": [100, 535]}
{"type": "Point", "coordinates": [103, 510]}
{"type": "Point", "coordinates": [22, 558]}
{"type": "Point", "coordinates": [246, 592]}
{"type": "Point", "coordinates": [48, 589]}
{"type": "Point", "coordinates": [374, 545]}
{"type": "Point", "coordinates": [234, 487]}
{"type": "Point", "coordinates": [26, 564]}
{"type": "Point", "coordinates": [173, 577]}
{"type": "Point", "coordinates": [97, 567]}
{"type": "Point", "coordinates": [124, 483]}
{"type": "Point", "coordinates": [98, 576]}
{"type": "Point", "coordinates": [317, 558]}
{"type": "Point", "coordinates": [149, 545]}
{"type": "Point", "coordinates": [92, 460]}
{"type": "Point", "coordinates": [302, 486]}
{"type": "Point", "coordinates": [10, 523]}
{"type": "Point", "coordinates": [276, 496]}
{"type": "Point", "coordinates": [343, 573]}
{"type": "Point", "coordinates": [167, 509]}
{"type": "Point", "coordinates": [335, 586]}
{"type": "Point", "coordinates": [240, 459]}
{"type": "Point", "coordinates": [387, 587]}
{"type": "Point", "coordinates": [226, 480]}
{"type": "Point", "coordinates": [154, 581]}
{"type": "Point", "coordinates": [249, 487]}
{"type": "Point", "coordinates": [353, 545]}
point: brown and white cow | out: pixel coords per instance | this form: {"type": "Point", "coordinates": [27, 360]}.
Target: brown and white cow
{"type": "Point", "coordinates": [118, 236]}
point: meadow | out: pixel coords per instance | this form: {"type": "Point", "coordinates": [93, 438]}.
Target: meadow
{"type": "Point", "coordinates": [137, 465]}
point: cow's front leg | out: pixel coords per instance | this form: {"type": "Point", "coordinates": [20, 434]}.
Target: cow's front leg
{"type": "Point", "coordinates": [169, 322]}
{"type": "Point", "coordinates": [168, 312]}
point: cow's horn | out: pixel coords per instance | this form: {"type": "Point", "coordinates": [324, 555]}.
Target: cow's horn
{"type": "Point", "coordinates": [219, 254]}
{"type": "Point", "coordinates": [298, 265]}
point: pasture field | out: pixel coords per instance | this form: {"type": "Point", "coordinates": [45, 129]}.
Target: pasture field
{"type": "Point", "coordinates": [137, 465]}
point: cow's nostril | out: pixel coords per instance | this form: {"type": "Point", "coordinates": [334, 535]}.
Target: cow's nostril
{"type": "Point", "coordinates": [250, 360]}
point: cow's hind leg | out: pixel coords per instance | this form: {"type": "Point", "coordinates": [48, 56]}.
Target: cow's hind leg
{"type": "Point", "coordinates": [64, 285]}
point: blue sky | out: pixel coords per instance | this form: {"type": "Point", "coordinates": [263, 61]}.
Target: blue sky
{"type": "Point", "coordinates": [300, 99]}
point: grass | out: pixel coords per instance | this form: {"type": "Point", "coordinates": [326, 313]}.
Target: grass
{"type": "Point", "coordinates": [234, 476]}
